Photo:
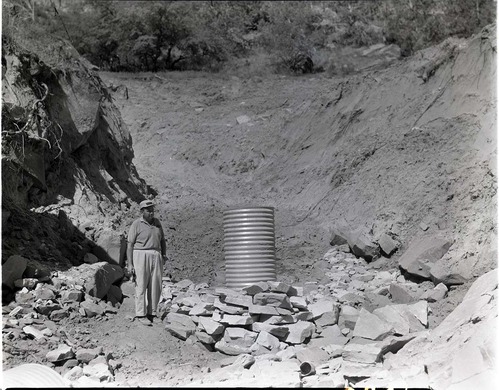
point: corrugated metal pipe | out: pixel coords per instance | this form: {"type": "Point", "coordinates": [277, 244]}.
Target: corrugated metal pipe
{"type": "Point", "coordinates": [249, 246]}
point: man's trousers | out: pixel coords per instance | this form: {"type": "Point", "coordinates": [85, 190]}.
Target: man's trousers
{"type": "Point", "coordinates": [148, 265]}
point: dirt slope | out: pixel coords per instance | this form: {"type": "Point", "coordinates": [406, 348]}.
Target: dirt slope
{"type": "Point", "coordinates": [387, 150]}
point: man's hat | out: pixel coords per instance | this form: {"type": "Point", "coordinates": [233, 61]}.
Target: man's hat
{"type": "Point", "coordinates": [146, 203]}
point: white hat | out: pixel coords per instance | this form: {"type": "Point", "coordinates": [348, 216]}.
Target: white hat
{"type": "Point", "coordinates": [146, 203]}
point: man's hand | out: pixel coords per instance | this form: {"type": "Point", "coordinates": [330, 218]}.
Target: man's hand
{"type": "Point", "coordinates": [131, 274]}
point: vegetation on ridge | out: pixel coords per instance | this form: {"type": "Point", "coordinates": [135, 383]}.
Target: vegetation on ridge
{"type": "Point", "coordinates": [210, 35]}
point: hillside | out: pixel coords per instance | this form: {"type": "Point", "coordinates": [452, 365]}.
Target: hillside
{"type": "Point", "coordinates": [387, 151]}
{"type": "Point", "coordinates": [405, 150]}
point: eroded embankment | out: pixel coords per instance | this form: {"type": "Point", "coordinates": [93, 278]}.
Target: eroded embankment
{"type": "Point", "coordinates": [406, 150]}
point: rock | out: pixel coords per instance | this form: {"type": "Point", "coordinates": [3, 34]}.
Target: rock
{"type": "Point", "coordinates": [348, 317]}
{"type": "Point", "coordinates": [239, 337]}
{"type": "Point", "coordinates": [245, 361]}
{"type": "Point", "coordinates": [394, 315]}
{"type": "Point", "coordinates": [363, 246]}
{"type": "Point", "coordinates": [450, 351]}
{"type": "Point", "coordinates": [44, 293]}
{"type": "Point", "coordinates": [295, 291]}
{"type": "Point", "coordinates": [279, 287]}
{"type": "Point", "coordinates": [394, 343]}
{"type": "Point", "coordinates": [190, 301]}
{"type": "Point", "coordinates": [180, 331]}
{"type": "Point", "coordinates": [328, 338]}
{"type": "Point", "coordinates": [276, 320]}
{"type": "Point", "coordinates": [299, 302]}
{"type": "Point", "coordinates": [273, 299]}
{"type": "Point", "coordinates": [114, 295]}
{"type": "Point", "coordinates": [97, 278]}
{"type": "Point", "coordinates": [29, 283]}
{"type": "Point", "coordinates": [338, 236]}
{"type": "Point", "coordinates": [371, 327]}
{"type": "Point", "coordinates": [31, 331]}
{"type": "Point", "coordinates": [228, 308]}
{"type": "Point", "coordinates": [202, 309]}
{"type": "Point", "coordinates": [368, 353]}
{"type": "Point", "coordinates": [69, 364]}
{"type": "Point", "coordinates": [99, 359]}
{"type": "Point", "coordinates": [279, 331]}
{"type": "Point", "coordinates": [71, 296]}
{"type": "Point", "coordinates": [256, 288]}
{"type": "Point", "coordinates": [312, 355]}
{"type": "Point", "coordinates": [211, 327]}
{"type": "Point", "coordinates": [91, 309]}
{"type": "Point", "coordinates": [73, 374]}
{"type": "Point", "coordinates": [267, 340]}
{"type": "Point", "coordinates": [299, 332]}
{"type": "Point", "coordinates": [263, 309]}
{"type": "Point", "coordinates": [387, 244]}
{"type": "Point", "coordinates": [243, 119]}
{"type": "Point", "coordinates": [229, 319]}
{"type": "Point", "coordinates": [302, 316]}
{"type": "Point", "coordinates": [85, 355]}
{"type": "Point", "coordinates": [13, 270]}
{"type": "Point", "coordinates": [111, 247]}
{"type": "Point", "coordinates": [90, 258]}
{"type": "Point", "coordinates": [184, 284]}
{"type": "Point", "coordinates": [99, 371]}
{"type": "Point", "coordinates": [450, 272]}
{"type": "Point", "coordinates": [63, 352]}
{"type": "Point", "coordinates": [328, 318]}
{"type": "Point", "coordinates": [47, 307]}
{"type": "Point", "coordinates": [205, 338]}
{"type": "Point", "coordinates": [238, 300]}
{"type": "Point", "coordinates": [322, 306]}
{"type": "Point", "coordinates": [401, 294]}
{"type": "Point", "coordinates": [484, 285]}
{"type": "Point", "coordinates": [231, 349]}
{"type": "Point", "coordinates": [181, 320]}
{"type": "Point", "coordinates": [420, 311]}
{"type": "Point", "coordinates": [422, 253]}
{"type": "Point", "coordinates": [438, 293]}
{"type": "Point", "coordinates": [58, 315]}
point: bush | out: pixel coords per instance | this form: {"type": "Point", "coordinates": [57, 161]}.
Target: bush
{"type": "Point", "coordinates": [138, 36]}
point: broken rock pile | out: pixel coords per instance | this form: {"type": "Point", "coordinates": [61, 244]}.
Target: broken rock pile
{"type": "Point", "coordinates": [348, 325]}
{"type": "Point", "coordinates": [45, 302]}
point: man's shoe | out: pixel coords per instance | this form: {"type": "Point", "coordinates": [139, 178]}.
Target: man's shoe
{"type": "Point", "coordinates": [151, 318]}
{"type": "Point", "coordinates": [144, 321]}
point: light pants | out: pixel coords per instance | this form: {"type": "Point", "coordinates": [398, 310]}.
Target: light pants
{"type": "Point", "coordinates": [148, 265]}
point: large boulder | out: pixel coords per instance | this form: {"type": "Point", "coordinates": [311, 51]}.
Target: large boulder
{"type": "Point", "coordinates": [459, 352]}
{"type": "Point", "coordinates": [13, 269]}
{"type": "Point", "coordinates": [96, 278]}
{"type": "Point", "coordinates": [360, 243]}
{"type": "Point", "coordinates": [111, 247]}
{"type": "Point", "coordinates": [422, 253]}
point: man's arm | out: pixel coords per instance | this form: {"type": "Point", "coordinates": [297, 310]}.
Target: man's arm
{"type": "Point", "coordinates": [129, 256]}
{"type": "Point", "coordinates": [129, 251]}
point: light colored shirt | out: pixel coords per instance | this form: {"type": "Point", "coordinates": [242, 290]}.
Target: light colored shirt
{"type": "Point", "coordinates": [146, 236]}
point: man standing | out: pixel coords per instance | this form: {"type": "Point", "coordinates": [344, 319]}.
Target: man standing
{"type": "Point", "coordinates": [146, 252]}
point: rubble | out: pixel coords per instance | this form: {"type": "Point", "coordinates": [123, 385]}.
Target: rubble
{"type": "Point", "coordinates": [342, 330]}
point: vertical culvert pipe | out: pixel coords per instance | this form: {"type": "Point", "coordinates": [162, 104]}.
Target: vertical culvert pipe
{"type": "Point", "coordinates": [249, 246]}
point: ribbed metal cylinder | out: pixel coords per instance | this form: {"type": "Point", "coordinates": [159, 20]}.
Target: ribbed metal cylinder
{"type": "Point", "coordinates": [249, 246]}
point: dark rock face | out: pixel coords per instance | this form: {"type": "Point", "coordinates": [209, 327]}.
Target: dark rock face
{"type": "Point", "coordinates": [67, 172]}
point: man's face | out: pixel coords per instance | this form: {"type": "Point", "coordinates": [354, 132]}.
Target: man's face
{"type": "Point", "coordinates": [148, 213]}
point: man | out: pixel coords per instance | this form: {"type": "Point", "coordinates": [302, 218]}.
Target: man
{"type": "Point", "coordinates": [146, 253]}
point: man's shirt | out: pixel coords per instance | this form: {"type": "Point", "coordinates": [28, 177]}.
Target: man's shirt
{"type": "Point", "coordinates": [146, 236]}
